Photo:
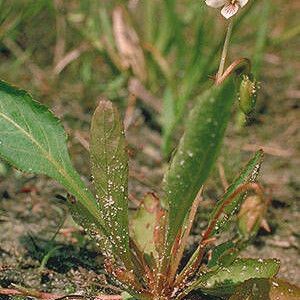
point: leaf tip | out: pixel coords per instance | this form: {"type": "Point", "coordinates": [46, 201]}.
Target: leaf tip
{"type": "Point", "coordinates": [105, 104]}
{"type": "Point", "coordinates": [261, 152]}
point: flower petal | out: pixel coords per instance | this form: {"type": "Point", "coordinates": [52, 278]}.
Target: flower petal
{"type": "Point", "coordinates": [243, 2]}
{"type": "Point", "coordinates": [229, 10]}
{"type": "Point", "coordinates": [216, 3]}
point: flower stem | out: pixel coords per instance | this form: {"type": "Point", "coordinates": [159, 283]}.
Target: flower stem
{"type": "Point", "coordinates": [225, 50]}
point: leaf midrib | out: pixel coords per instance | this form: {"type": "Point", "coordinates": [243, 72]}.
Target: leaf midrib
{"type": "Point", "coordinates": [56, 165]}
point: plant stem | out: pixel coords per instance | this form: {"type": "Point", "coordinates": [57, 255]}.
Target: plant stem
{"type": "Point", "coordinates": [196, 258]}
{"type": "Point", "coordinates": [241, 65]}
{"type": "Point", "coordinates": [225, 50]}
{"type": "Point", "coordinates": [179, 254]}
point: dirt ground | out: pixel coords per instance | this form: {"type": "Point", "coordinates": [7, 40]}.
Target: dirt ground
{"type": "Point", "coordinates": [41, 247]}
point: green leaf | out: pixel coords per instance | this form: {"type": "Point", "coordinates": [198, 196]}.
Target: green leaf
{"type": "Point", "coordinates": [109, 163]}
{"type": "Point", "coordinates": [143, 224]}
{"type": "Point", "coordinates": [197, 152]}
{"type": "Point", "coordinates": [248, 174]}
{"type": "Point", "coordinates": [34, 141]}
{"type": "Point", "coordinates": [224, 281]}
{"type": "Point", "coordinates": [168, 120]}
{"type": "Point", "coordinates": [219, 252]}
{"type": "Point", "coordinates": [126, 296]}
{"type": "Point", "coordinates": [266, 289]}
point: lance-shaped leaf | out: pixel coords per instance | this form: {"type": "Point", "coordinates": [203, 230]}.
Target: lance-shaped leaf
{"type": "Point", "coordinates": [270, 289]}
{"type": "Point", "coordinates": [225, 280]}
{"type": "Point", "coordinates": [144, 222]}
{"type": "Point", "coordinates": [109, 163]}
{"type": "Point", "coordinates": [33, 140]}
{"type": "Point", "coordinates": [247, 175]}
{"type": "Point", "coordinates": [197, 152]}
{"type": "Point", "coordinates": [224, 252]}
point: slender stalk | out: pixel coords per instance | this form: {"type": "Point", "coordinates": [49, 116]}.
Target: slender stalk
{"type": "Point", "coordinates": [241, 65]}
{"type": "Point", "coordinates": [196, 259]}
{"type": "Point", "coordinates": [225, 50]}
{"type": "Point", "coordinates": [179, 253]}
{"type": "Point", "coordinates": [139, 258]}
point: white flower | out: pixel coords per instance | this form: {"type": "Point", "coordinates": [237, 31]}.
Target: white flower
{"type": "Point", "coordinates": [229, 7]}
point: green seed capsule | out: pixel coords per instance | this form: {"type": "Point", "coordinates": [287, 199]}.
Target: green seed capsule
{"type": "Point", "coordinates": [247, 95]}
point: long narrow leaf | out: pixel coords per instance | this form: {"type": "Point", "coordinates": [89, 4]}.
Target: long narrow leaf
{"type": "Point", "coordinates": [248, 174]}
{"type": "Point", "coordinates": [196, 153]}
{"type": "Point", "coordinates": [109, 162]}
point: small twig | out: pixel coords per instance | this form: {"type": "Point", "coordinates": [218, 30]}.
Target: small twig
{"type": "Point", "coordinates": [269, 150]}
{"type": "Point", "coordinates": [136, 88]}
{"type": "Point", "coordinates": [18, 291]}
{"type": "Point", "coordinates": [129, 111]}
{"type": "Point", "coordinates": [292, 129]}
{"type": "Point", "coordinates": [70, 57]}
{"type": "Point", "coordinates": [134, 200]}
{"type": "Point", "coordinates": [81, 139]}
{"type": "Point", "coordinates": [60, 26]}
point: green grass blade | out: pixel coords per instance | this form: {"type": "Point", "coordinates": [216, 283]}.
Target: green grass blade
{"type": "Point", "coordinates": [197, 152]}
{"type": "Point", "coordinates": [168, 120]}
{"type": "Point", "coordinates": [150, 24]}
{"type": "Point", "coordinates": [106, 26]}
{"type": "Point", "coordinates": [109, 162]}
{"type": "Point", "coordinates": [261, 37]}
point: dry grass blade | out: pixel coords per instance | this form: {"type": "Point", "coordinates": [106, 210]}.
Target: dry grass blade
{"type": "Point", "coordinates": [70, 57]}
{"type": "Point", "coordinates": [136, 88]}
{"type": "Point", "coordinates": [60, 24]}
{"type": "Point", "coordinates": [128, 44]}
